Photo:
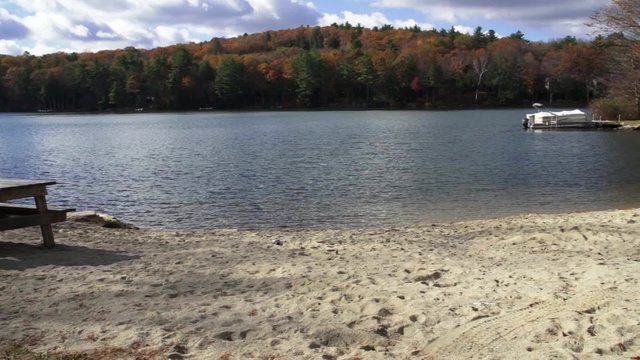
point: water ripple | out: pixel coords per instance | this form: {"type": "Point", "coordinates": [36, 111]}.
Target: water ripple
{"type": "Point", "coordinates": [318, 169]}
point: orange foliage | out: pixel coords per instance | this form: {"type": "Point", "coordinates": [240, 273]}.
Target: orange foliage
{"type": "Point", "coordinates": [445, 61]}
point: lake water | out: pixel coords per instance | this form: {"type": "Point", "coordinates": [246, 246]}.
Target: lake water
{"type": "Point", "coordinates": [318, 169]}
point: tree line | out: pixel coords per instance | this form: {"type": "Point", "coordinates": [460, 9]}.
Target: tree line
{"type": "Point", "coordinates": [337, 66]}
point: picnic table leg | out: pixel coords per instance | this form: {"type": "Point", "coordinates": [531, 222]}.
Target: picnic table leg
{"type": "Point", "coordinates": [47, 230]}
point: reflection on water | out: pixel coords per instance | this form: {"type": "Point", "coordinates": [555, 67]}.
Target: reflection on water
{"type": "Point", "coordinates": [318, 169]}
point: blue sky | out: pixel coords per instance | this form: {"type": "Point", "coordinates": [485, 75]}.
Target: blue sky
{"type": "Point", "coordinates": [45, 26]}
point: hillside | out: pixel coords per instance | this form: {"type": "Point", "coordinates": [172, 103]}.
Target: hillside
{"type": "Point", "coordinates": [339, 66]}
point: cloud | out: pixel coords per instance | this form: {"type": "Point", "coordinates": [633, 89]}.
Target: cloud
{"type": "Point", "coordinates": [190, 11]}
{"type": "Point", "coordinates": [89, 25]}
{"type": "Point", "coordinates": [10, 27]}
{"type": "Point", "coordinates": [276, 14]}
{"type": "Point", "coordinates": [80, 31]}
{"type": "Point", "coordinates": [369, 20]}
{"type": "Point", "coordinates": [560, 16]}
{"type": "Point", "coordinates": [106, 35]}
{"type": "Point", "coordinates": [10, 47]}
{"type": "Point", "coordinates": [40, 26]}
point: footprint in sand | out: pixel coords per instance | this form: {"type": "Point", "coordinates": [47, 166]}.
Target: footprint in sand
{"type": "Point", "coordinates": [491, 334]}
{"type": "Point", "coordinates": [232, 336]}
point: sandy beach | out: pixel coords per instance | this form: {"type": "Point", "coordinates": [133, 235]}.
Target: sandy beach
{"type": "Point", "coordinates": [526, 287]}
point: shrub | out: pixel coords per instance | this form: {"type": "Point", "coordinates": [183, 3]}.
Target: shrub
{"type": "Point", "coordinates": [611, 109]}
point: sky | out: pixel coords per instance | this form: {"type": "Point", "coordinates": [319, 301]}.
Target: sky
{"type": "Point", "coordinates": [47, 26]}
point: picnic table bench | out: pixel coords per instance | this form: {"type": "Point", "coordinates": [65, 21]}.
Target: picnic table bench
{"type": "Point", "coordinates": [14, 216]}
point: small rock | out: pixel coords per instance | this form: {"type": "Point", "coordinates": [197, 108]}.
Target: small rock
{"type": "Point", "coordinates": [430, 277]}
{"type": "Point", "coordinates": [180, 349]}
{"type": "Point", "coordinates": [175, 356]}
{"type": "Point", "coordinates": [382, 331]}
{"type": "Point", "coordinates": [225, 335]}
{"type": "Point", "coordinates": [103, 220]}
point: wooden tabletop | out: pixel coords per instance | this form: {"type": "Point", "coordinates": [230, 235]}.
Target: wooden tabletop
{"type": "Point", "coordinates": [16, 188]}
{"type": "Point", "coordinates": [19, 183]}
{"type": "Point", "coordinates": [11, 189]}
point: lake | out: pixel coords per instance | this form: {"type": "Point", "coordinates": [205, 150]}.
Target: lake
{"type": "Point", "coordinates": [325, 169]}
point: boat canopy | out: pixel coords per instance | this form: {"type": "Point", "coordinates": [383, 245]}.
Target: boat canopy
{"type": "Point", "coordinates": [568, 114]}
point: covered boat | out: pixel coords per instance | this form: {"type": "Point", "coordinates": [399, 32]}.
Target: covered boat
{"type": "Point", "coordinates": [569, 119]}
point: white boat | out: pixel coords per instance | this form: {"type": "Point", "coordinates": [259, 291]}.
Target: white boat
{"type": "Point", "coordinates": [569, 119]}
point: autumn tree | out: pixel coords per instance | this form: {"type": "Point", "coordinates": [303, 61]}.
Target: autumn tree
{"type": "Point", "coordinates": [407, 77]}
{"type": "Point", "coordinates": [340, 65]}
{"type": "Point", "coordinates": [316, 39]}
{"type": "Point", "coordinates": [518, 35]}
{"type": "Point", "coordinates": [273, 72]}
{"type": "Point", "coordinates": [17, 79]}
{"type": "Point", "coordinates": [479, 39]}
{"type": "Point", "coordinates": [366, 75]}
{"type": "Point", "coordinates": [346, 81]}
{"type": "Point", "coordinates": [506, 57]}
{"type": "Point", "coordinates": [329, 87]}
{"type": "Point", "coordinates": [301, 39]}
{"type": "Point", "coordinates": [180, 79]}
{"type": "Point", "coordinates": [531, 74]}
{"type": "Point", "coordinates": [480, 67]}
{"type": "Point", "coordinates": [623, 17]}
{"type": "Point", "coordinates": [229, 82]}
{"type": "Point", "coordinates": [206, 77]}
{"type": "Point", "coordinates": [3, 96]}
{"type": "Point", "coordinates": [585, 64]}
{"type": "Point", "coordinates": [456, 64]}
{"type": "Point", "coordinates": [308, 69]}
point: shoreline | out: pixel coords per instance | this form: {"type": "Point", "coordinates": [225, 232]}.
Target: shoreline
{"type": "Point", "coordinates": [524, 107]}
{"type": "Point", "coordinates": [109, 221]}
{"type": "Point", "coordinates": [527, 286]}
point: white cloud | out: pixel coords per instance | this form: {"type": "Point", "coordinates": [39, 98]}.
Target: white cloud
{"type": "Point", "coordinates": [567, 16]}
{"type": "Point", "coordinates": [53, 25]}
{"type": "Point", "coordinates": [464, 29]}
{"type": "Point", "coordinates": [11, 27]}
{"type": "Point", "coordinates": [106, 35]}
{"type": "Point", "coordinates": [46, 27]}
{"type": "Point", "coordinates": [36, 5]}
{"type": "Point", "coordinates": [40, 26]}
{"type": "Point", "coordinates": [80, 31]}
{"type": "Point", "coordinates": [11, 47]}
{"type": "Point", "coordinates": [169, 35]}
{"type": "Point", "coordinates": [369, 20]}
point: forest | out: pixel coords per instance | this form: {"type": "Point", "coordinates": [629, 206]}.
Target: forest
{"type": "Point", "coordinates": [338, 67]}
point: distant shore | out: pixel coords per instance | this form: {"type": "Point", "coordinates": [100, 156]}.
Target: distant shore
{"type": "Point", "coordinates": [445, 107]}
{"type": "Point", "coordinates": [627, 124]}
{"type": "Point", "coordinates": [523, 287]}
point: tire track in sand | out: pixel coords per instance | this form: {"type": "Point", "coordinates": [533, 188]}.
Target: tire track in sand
{"type": "Point", "coordinates": [468, 340]}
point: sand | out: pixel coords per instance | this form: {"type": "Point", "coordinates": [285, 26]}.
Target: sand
{"type": "Point", "coordinates": [526, 287]}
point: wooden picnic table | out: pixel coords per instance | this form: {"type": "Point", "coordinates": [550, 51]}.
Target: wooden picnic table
{"type": "Point", "coordinates": [14, 216]}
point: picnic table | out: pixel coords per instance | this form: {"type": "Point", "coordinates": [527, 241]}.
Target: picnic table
{"type": "Point", "coordinates": [14, 216]}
